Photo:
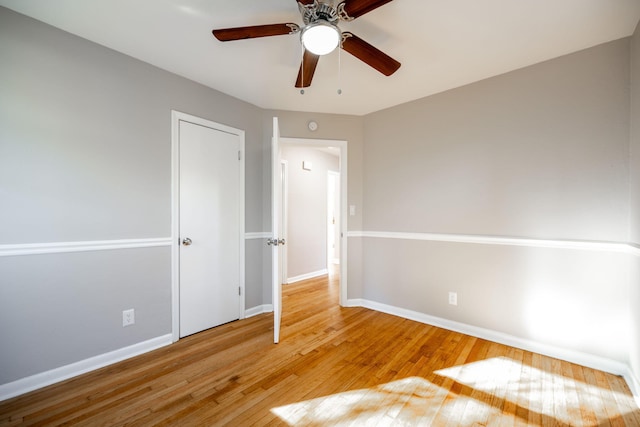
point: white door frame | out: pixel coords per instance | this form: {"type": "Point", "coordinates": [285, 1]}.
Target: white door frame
{"type": "Point", "coordinates": [342, 145]}
{"type": "Point", "coordinates": [176, 118]}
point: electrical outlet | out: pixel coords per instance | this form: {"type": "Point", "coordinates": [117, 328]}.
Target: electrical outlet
{"type": "Point", "coordinates": [453, 298]}
{"type": "Point", "coordinates": [128, 317]}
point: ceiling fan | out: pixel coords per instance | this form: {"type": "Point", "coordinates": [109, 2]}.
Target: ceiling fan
{"type": "Point", "coordinates": [320, 35]}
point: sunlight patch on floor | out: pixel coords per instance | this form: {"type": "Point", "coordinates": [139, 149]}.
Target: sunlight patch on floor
{"type": "Point", "coordinates": [504, 380]}
{"type": "Point", "coordinates": [493, 391]}
{"type": "Point", "coordinates": [386, 404]}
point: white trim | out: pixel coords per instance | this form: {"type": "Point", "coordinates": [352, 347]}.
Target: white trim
{"type": "Point", "coordinates": [260, 309]}
{"type": "Point", "coordinates": [241, 220]}
{"type": "Point", "coordinates": [306, 276]}
{"type": "Point", "coordinates": [176, 118]}
{"type": "Point", "coordinates": [633, 383]}
{"type": "Point", "coordinates": [82, 246]}
{"type": "Point", "coordinates": [499, 240]}
{"type": "Point", "coordinates": [584, 359]}
{"type": "Point", "coordinates": [175, 225]}
{"type": "Point", "coordinates": [43, 379]}
{"type": "Point", "coordinates": [258, 235]}
{"type": "Point", "coordinates": [355, 302]}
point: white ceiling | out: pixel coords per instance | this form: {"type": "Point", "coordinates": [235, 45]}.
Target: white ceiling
{"type": "Point", "coordinates": [442, 44]}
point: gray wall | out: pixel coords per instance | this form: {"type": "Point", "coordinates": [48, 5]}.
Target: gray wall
{"type": "Point", "coordinates": [540, 153]}
{"type": "Point", "coordinates": [85, 154]}
{"type": "Point", "coordinates": [63, 308]}
{"type": "Point", "coordinates": [307, 209]}
{"type": "Point", "coordinates": [634, 194]}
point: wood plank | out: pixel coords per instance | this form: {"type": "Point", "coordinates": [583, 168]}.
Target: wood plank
{"type": "Point", "coordinates": [333, 366]}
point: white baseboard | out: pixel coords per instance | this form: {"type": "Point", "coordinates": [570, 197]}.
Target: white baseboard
{"type": "Point", "coordinates": [254, 311]}
{"type": "Point", "coordinates": [306, 276]}
{"type": "Point", "coordinates": [596, 362]}
{"type": "Point", "coordinates": [355, 302]}
{"type": "Point", "coordinates": [633, 383]}
{"type": "Point", "coordinates": [43, 379]}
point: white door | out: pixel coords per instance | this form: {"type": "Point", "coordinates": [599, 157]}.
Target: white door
{"type": "Point", "coordinates": [209, 227]}
{"type": "Point", "coordinates": [276, 218]}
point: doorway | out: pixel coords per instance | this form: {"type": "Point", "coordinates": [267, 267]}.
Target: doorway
{"type": "Point", "coordinates": [208, 224]}
{"type": "Point", "coordinates": [328, 253]}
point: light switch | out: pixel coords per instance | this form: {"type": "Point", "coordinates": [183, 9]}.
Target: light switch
{"type": "Point", "coordinates": [352, 210]}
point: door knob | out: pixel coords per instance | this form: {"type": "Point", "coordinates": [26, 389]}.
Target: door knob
{"type": "Point", "coordinates": [186, 241]}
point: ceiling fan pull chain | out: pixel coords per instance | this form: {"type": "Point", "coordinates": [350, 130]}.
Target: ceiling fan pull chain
{"type": "Point", "coordinates": [343, 37]}
{"type": "Point", "coordinates": [340, 71]}
{"type": "Point", "coordinates": [302, 70]}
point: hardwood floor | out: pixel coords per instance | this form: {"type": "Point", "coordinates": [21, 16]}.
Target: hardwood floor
{"type": "Point", "coordinates": [333, 366]}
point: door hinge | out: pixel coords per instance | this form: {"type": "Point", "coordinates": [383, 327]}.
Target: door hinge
{"type": "Point", "coordinates": [239, 155]}
{"type": "Point", "coordinates": [240, 290]}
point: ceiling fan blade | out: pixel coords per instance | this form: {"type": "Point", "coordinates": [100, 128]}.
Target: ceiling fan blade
{"type": "Point", "coordinates": [307, 68]}
{"type": "Point", "coordinates": [355, 8]}
{"type": "Point", "coordinates": [369, 54]}
{"type": "Point", "coordinates": [305, 2]}
{"type": "Point", "coordinates": [240, 33]}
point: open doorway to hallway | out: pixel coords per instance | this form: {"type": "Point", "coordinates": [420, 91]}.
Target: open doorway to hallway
{"type": "Point", "coordinates": [312, 210]}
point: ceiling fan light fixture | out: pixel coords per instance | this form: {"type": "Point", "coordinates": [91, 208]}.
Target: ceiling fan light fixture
{"type": "Point", "coordinates": [321, 37]}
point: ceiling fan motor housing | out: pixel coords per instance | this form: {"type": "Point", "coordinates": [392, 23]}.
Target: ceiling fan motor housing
{"type": "Point", "coordinates": [313, 12]}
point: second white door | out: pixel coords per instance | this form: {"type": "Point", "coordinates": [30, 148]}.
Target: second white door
{"type": "Point", "coordinates": [209, 182]}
